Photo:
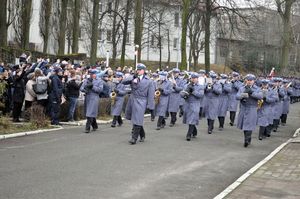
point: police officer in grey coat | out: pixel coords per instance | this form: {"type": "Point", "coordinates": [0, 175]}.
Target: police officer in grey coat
{"type": "Point", "coordinates": [192, 95]}
{"type": "Point", "coordinates": [286, 101]}
{"type": "Point", "coordinates": [279, 104]}
{"type": "Point", "coordinates": [174, 102]}
{"type": "Point", "coordinates": [165, 87]}
{"type": "Point", "coordinates": [249, 94]}
{"type": "Point", "coordinates": [233, 102]}
{"type": "Point", "coordinates": [118, 101]}
{"type": "Point", "coordinates": [91, 87]}
{"type": "Point", "coordinates": [264, 112]}
{"type": "Point", "coordinates": [141, 98]}
{"type": "Point", "coordinates": [212, 92]}
{"type": "Point", "coordinates": [223, 100]}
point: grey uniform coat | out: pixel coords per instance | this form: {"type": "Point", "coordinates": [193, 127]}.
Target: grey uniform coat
{"type": "Point", "coordinates": [91, 100]}
{"type": "Point", "coordinates": [279, 104]}
{"type": "Point", "coordinates": [141, 98]}
{"type": "Point", "coordinates": [233, 102]}
{"type": "Point", "coordinates": [212, 101]}
{"type": "Point", "coordinates": [192, 106]}
{"type": "Point", "coordinates": [175, 98]}
{"type": "Point", "coordinates": [286, 101]}
{"type": "Point", "coordinates": [223, 99]}
{"type": "Point", "coordinates": [247, 117]}
{"type": "Point", "coordinates": [116, 109]}
{"type": "Point", "coordinates": [264, 114]}
{"type": "Point", "coordinates": [162, 106]}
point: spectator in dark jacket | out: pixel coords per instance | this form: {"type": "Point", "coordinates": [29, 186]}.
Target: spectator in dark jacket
{"type": "Point", "coordinates": [18, 91]}
{"type": "Point", "coordinates": [72, 94]}
{"type": "Point", "coordinates": [55, 95]}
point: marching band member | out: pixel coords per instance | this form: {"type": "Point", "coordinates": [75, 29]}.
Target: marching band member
{"type": "Point", "coordinates": [117, 101]}
{"type": "Point", "coordinates": [212, 92]}
{"type": "Point", "coordinates": [192, 94]}
{"type": "Point", "coordinates": [264, 112]}
{"type": "Point", "coordinates": [248, 94]}
{"type": "Point", "coordinates": [202, 81]}
{"type": "Point", "coordinates": [174, 102]}
{"type": "Point", "coordinates": [223, 100]}
{"type": "Point", "coordinates": [286, 101]}
{"type": "Point", "coordinates": [165, 87]}
{"type": "Point", "coordinates": [233, 102]}
{"type": "Point", "coordinates": [92, 87]}
{"type": "Point", "coordinates": [181, 100]}
{"type": "Point", "coordinates": [154, 79]}
{"type": "Point", "coordinates": [278, 105]}
{"type": "Point", "coordinates": [141, 98]}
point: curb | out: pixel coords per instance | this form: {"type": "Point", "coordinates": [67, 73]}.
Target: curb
{"type": "Point", "coordinates": [241, 179]}
{"type": "Point", "coordinates": [82, 122]}
{"type": "Point", "coordinates": [2, 137]}
{"type": "Point", "coordinates": [297, 133]}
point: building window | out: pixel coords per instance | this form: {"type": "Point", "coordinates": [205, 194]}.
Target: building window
{"type": "Point", "coordinates": [152, 41]}
{"type": "Point", "coordinates": [128, 38]}
{"type": "Point", "coordinates": [223, 51]}
{"type": "Point", "coordinates": [100, 35]}
{"type": "Point", "coordinates": [160, 42]}
{"type": "Point", "coordinates": [109, 7]}
{"type": "Point", "coordinates": [109, 35]}
{"type": "Point", "coordinates": [176, 20]}
{"type": "Point", "coordinates": [175, 43]}
{"type": "Point", "coordinates": [100, 7]}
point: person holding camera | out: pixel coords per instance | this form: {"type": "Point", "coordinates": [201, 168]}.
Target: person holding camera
{"type": "Point", "coordinates": [249, 94]}
{"type": "Point", "coordinates": [91, 87]}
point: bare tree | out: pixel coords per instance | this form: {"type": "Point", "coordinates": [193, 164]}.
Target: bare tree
{"type": "Point", "coordinates": [44, 23]}
{"type": "Point", "coordinates": [3, 28]}
{"type": "Point", "coordinates": [76, 27]}
{"type": "Point", "coordinates": [62, 27]}
{"type": "Point", "coordinates": [95, 30]}
{"type": "Point", "coordinates": [284, 8]}
{"type": "Point", "coordinates": [138, 27]}
{"type": "Point", "coordinates": [125, 30]}
{"type": "Point", "coordinates": [185, 18]}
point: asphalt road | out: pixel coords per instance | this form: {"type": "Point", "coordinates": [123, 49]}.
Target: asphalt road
{"type": "Point", "coordinates": [69, 164]}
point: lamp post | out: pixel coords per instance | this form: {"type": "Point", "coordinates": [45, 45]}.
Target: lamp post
{"type": "Point", "coordinates": [107, 58]}
{"type": "Point", "coordinates": [136, 55]}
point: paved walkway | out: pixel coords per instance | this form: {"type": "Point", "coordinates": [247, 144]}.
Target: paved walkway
{"type": "Point", "coordinates": [278, 178]}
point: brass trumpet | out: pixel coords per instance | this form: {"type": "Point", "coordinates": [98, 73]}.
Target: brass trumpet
{"type": "Point", "coordinates": [113, 96]}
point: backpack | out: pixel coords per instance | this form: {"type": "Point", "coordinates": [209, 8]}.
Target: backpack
{"type": "Point", "coordinates": [40, 87]}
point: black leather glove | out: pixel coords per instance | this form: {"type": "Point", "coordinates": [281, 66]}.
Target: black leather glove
{"type": "Point", "coordinates": [248, 90]}
{"type": "Point", "coordinates": [190, 88]}
{"type": "Point", "coordinates": [116, 90]}
{"type": "Point", "coordinates": [161, 90]}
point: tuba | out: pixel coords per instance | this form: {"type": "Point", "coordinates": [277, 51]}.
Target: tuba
{"type": "Point", "coordinates": [113, 96]}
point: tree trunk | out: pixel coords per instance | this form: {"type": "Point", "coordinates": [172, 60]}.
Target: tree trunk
{"type": "Point", "coordinates": [207, 35]}
{"type": "Point", "coordinates": [115, 33]}
{"type": "Point", "coordinates": [26, 15]}
{"type": "Point", "coordinates": [62, 27]}
{"type": "Point", "coordinates": [159, 44]}
{"type": "Point", "coordinates": [76, 28]}
{"type": "Point", "coordinates": [287, 32]}
{"type": "Point", "coordinates": [169, 50]}
{"type": "Point", "coordinates": [125, 32]}
{"type": "Point", "coordinates": [138, 27]}
{"type": "Point", "coordinates": [184, 17]}
{"type": "Point", "coordinates": [3, 26]}
{"type": "Point", "coordinates": [94, 39]}
{"type": "Point", "coordinates": [47, 15]}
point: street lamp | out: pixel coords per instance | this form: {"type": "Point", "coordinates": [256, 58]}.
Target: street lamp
{"type": "Point", "coordinates": [107, 58]}
{"type": "Point", "coordinates": [136, 55]}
